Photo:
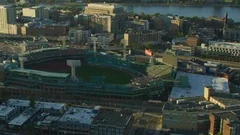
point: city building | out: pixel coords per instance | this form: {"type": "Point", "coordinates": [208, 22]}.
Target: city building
{"type": "Point", "coordinates": [187, 114]}
{"type": "Point", "coordinates": [6, 113]}
{"type": "Point", "coordinates": [232, 34]}
{"type": "Point", "coordinates": [228, 48]}
{"type": "Point", "coordinates": [137, 25]}
{"type": "Point", "coordinates": [77, 121]}
{"type": "Point", "coordinates": [37, 43]}
{"type": "Point", "coordinates": [19, 121]}
{"type": "Point", "coordinates": [8, 20]}
{"type": "Point", "coordinates": [225, 123]}
{"type": "Point", "coordinates": [193, 40]}
{"type": "Point", "coordinates": [102, 39]}
{"type": "Point", "coordinates": [192, 85]}
{"type": "Point", "coordinates": [176, 25]}
{"type": "Point", "coordinates": [154, 37]}
{"type": "Point", "coordinates": [105, 9]}
{"type": "Point", "coordinates": [183, 50]}
{"type": "Point", "coordinates": [18, 104]}
{"type": "Point", "coordinates": [37, 12]}
{"type": "Point", "coordinates": [196, 114]}
{"type": "Point", "coordinates": [78, 36]}
{"type": "Point", "coordinates": [50, 107]}
{"type": "Point", "coordinates": [206, 33]}
{"type": "Point", "coordinates": [161, 23]}
{"type": "Point", "coordinates": [103, 23]}
{"type": "Point", "coordinates": [112, 122]}
{"type": "Point", "coordinates": [198, 66]}
{"type": "Point", "coordinates": [45, 28]}
{"type": "Point", "coordinates": [47, 124]}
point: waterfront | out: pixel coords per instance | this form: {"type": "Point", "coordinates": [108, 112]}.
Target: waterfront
{"type": "Point", "coordinates": [190, 11]}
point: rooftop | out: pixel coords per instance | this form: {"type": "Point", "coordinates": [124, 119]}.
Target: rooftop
{"type": "Point", "coordinates": [225, 44]}
{"type": "Point", "coordinates": [5, 110]}
{"type": "Point", "coordinates": [197, 83]}
{"type": "Point", "coordinates": [78, 116]}
{"type": "Point", "coordinates": [197, 61]}
{"type": "Point", "coordinates": [41, 73]}
{"type": "Point", "coordinates": [103, 5]}
{"type": "Point", "coordinates": [18, 102]}
{"type": "Point", "coordinates": [113, 118]}
{"type": "Point", "coordinates": [22, 118]}
{"type": "Point", "coordinates": [196, 104]}
{"type": "Point", "coordinates": [49, 105]}
{"type": "Point", "coordinates": [229, 102]}
{"type": "Point", "coordinates": [228, 115]}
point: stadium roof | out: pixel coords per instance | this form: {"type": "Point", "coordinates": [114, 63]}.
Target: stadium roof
{"type": "Point", "coordinates": [196, 85]}
{"type": "Point", "coordinates": [39, 50]}
{"type": "Point", "coordinates": [41, 73]}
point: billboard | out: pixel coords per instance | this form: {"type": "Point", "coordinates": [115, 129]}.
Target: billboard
{"type": "Point", "coordinates": [148, 52]}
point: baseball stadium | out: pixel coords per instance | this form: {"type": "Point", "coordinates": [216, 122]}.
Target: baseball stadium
{"type": "Point", "coordinates": [69, 73]}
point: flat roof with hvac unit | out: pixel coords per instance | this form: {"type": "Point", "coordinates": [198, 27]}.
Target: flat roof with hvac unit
{"type": "Point", "coordinates": [194, 85]}
{"type": "Point", "coordinates": [78, 116]}
{"type": "Point", "coordinates": [5, 110]}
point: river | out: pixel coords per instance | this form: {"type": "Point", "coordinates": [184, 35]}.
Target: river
{"type": "Point", "coordinates": [190, 11]}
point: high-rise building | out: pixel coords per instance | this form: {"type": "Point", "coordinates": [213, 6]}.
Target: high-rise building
{"type": "Point", "coordinates": [8, 20]}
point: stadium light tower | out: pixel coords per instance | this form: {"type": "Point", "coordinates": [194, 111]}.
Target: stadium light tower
{"type": "Point", "coordinates": [124, 52]}
{"type": "Point", "coordinates": [94, 39]}
{"type": "Point", "coordinates": [22, 60]}
{"type": "Point", "coordinates": [125, 44]}
{"type": "Point", "coordinates": [73, 64]}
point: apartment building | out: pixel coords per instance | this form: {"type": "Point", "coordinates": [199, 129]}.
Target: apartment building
{"type": "Point", "coordinates": [154, 37]}
{"type": "Point", "coordinates": [78, 36]}
{"type": "Point", "coordinates": [8, 20]}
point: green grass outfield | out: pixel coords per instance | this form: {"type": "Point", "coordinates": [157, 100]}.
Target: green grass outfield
{"type": "Point", "coordinates": [113, 76]}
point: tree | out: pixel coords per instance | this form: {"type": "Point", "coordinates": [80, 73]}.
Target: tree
{"type": "Point", "coordinates": [32, 102]}
{"type": "Point", "coordinates": [4, 95]}
{"type": "Point", "coordinates": [149, 45]}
